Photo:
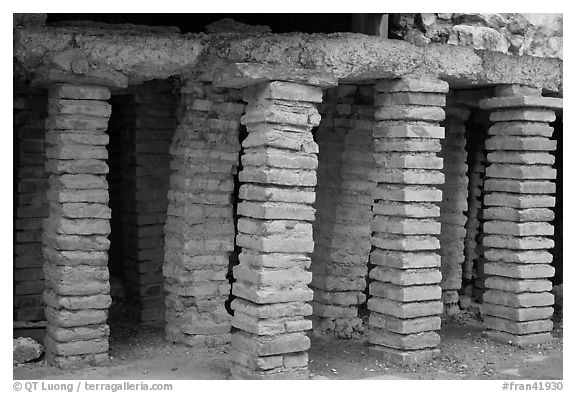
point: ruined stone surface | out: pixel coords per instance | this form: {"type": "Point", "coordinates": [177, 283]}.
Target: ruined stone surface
{"type": "Point", "coordinates": [25, 349]}
{"type": "Point", "coordinates": [347, 56]}
{"type": "Point", "coordinates": [405, 288]}
{"type": "Point", "coordinates": [199, 228]}
{"type": "Point", "coordinates": [77, 291]}
{"type": "Point", "coordinates": [343, 210]}
{"type": "Point", "coordinates": [515, 33]}
{"type": "Point", "coordinates": [518, 193]}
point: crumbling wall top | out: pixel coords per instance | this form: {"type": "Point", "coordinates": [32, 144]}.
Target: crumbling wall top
{"type": "Point", "coordinates": [348, 56]}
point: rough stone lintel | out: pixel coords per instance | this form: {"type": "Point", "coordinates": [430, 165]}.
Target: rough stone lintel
{"type": "Point", "coordinates": [240, 75]}
{"type": "Point", "coordinates": [521, 102]}
{"type": "Point", "coordinates": [349, 56]}
{"type": "Point", "coordinates": [99, 77]}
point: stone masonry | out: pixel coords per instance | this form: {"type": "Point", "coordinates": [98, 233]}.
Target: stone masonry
{"type": "Point", "coordinates": [473, 268]}
{"type": "Point", "coordinates": [200, 224]}
{"type": "Point", "coordinates": [343, 209]}
{"type": "Point", "coordinates": [519, 191]}
{"type": "Point", "coordinates": [147, 122]}
{"type": "Point", "coordinates": [275, 232]}
{"type": "Point", "coordinates": [31, 205]}
{"type": "Point", "coordinates": [406, 304]}
{"type": "Point", "coordinates": [75, 242]}
{"type": "Point", "coordinates": [454, 205]}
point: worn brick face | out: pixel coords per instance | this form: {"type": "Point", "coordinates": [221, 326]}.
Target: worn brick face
{"type": "Point", "coordinates": [518, 192]}
{"type": "Point", "coordinates": [74, 243]}
{"type": "Point", "coordinates": [143, 125]}
{"type": "Point", "coordinates": [199, 228]}
{"type": "Point", "coordinates": [406, 295]}
{"type": "Point", "coordinates": [343, 210]}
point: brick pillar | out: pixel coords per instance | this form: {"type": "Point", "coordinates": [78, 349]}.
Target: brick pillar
{"type": "Point", "coordinates": [75, 240]}
{"type": "Point", "coordinates": [275, 232]}
{"type": "Point", "coordinates": [406, 304]}
{"type": "Point", "coordinates": [519, 191]}
{"type": "Point", "coordinates": [473, 268]}
{"type": "Point", "coordinates": [147, 120]}
{"type": "Point", "coordinates": [343, 210]}
{"type": "Point", "coordinates": [200, 224]}
{"type": "Point", "coordinates": [453, 206]}
{"type": "Point", "coordinates": [31, 206]}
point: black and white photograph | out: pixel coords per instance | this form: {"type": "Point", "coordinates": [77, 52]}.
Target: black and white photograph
{"type": "Point", "coordinates": [286, 196]}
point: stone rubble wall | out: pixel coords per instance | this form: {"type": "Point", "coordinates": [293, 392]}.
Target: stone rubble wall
{"type": "Point", "coordinates": [30, 203]}
{"type": "Point", "coordinates": [275, 232]}
{"type": "Point", "coordinates": [519, 194]}
{"type": "Point", "coordinates": [406, 304]}
{"type": "Point", "coordinates": [146, 121]}
{"type": "Point", "coordinates": [75, 243]}
{"type": "Point", "coordinates": [538, 35]}
{"type": "Point", "coordinates": [343, 209]}
{"type": "Point", "coordinates": [454, 205]}
{"type": "Point", "coordinates": [199, 230]}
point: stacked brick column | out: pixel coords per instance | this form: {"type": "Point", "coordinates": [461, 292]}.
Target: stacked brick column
{"type": "Point", "coordinates": [473, 269]}
{"type": "Point", "coordinates": [518, 198]}
{"type": "Point", "coordinates": [148, 120]}
{"type": "Point", "coordinates": [200, 224]}
{"type": "Point", "coordinates": [75, 240]}
{"type": "Point", "coordinates": [275, 232]}
{"type": "Point", "coordinates": [31, 207]}
{"type": "Point", "coordinates": [344, 211]}
{"type": "Point", "coordinates": [454, 205]}
{"type": "Point", "coordinates": [406, 301]}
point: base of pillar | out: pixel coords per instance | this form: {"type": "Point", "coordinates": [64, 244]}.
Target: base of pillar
{"type": "Point", "coordinates": [197, 340]}
{"type": "Point", "coordinates": [239, 372]}
{"type": "Point", "coordinates": [92, 359]}
{"type": "Point", "coordinates": [403, 358]}
{"type": "Point", "coordinates": [519, 340]}
{"type": "Point", "coordinates": [340, 327]}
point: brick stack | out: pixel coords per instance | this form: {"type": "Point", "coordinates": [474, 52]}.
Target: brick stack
{"type": "Point", "coordinates": [344, 211]}
{"type": "Point", "coordinates": [519, 191]}
{"type": "Point", "coordinates": [200, 223]}
{"type": "Point", "coordinates": [148, 120]}
{"type": "Point", "coordinates": [31, 207]}
{"type": "Point", "coordinates": [473, 269]}
{"type": "Point", "coordinates": [329, 186]}
{"type": "Point", "coordinates": [75, 243]}
{"type": "Point", "coordinates": [454, 205]}
{"type": "Point", "coordinates": [406, 304]}
{"type": "Point", "coordinates": [275, 232]}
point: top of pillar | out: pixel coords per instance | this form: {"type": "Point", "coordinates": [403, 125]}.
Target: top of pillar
{"type": "Point", "coordinates": [48, 77]}
{"type": "Point", "coordinates": [521, 102]}
{"type": "Point", "coordinates": [239, 75]}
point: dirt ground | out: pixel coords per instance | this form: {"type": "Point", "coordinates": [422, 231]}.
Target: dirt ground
{"type": "Point", "coordinates": [139, 352]}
